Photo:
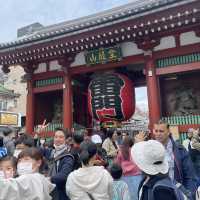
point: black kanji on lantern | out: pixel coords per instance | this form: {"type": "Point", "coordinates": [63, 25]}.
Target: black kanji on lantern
{"type": "Point", "coordinates": [105, 94]}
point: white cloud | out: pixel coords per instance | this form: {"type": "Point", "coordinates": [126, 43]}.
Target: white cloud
{"type": "Point", "coordinates": [141, 98]}
{"type": "Point", "coordinates": [15, 14]}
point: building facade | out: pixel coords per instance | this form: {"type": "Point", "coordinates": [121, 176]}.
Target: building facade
{"type": "Point", "coordinates": [154, 43]}
{"type": "Point", "coordinates": [8, 99]}
{"type": "Point", "coordinates": [14, 82]}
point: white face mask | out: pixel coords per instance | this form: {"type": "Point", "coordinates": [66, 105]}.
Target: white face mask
{"type": "Point", "coordinates": [17, 152]}
{"type": "Point", "coordinates": [2, 175]}
{"type": "Point", "coordinates": [59, 147]}
{"type": "Point", "coordinates": [24, 168]}
{"type": "Point", "coordinates": [9, 174]}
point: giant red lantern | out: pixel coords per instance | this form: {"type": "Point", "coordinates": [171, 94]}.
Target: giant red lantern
{"type": "Point", "coordinates": [111, 96]}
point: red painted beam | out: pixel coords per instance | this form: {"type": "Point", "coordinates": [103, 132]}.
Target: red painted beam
{"type": "Point", "coordinates": [46, 75]}
{"type": "Point", "coordinates": [184, 128]}
{"type": "Point", "coordinates": [182, 50]}
{"type": "Point", "coordinates": [178, 68]}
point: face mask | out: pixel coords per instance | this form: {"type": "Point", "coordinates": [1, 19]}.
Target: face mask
{"type": "Point", "coordinates": [24, 168]}
{"type": "Point", "coordinates": [17, 152]}
{"type": "Point", "coordinates": [9, 174]}
{"type": "Point", "coordinates": [2, 175]}
{"type": "Point", "coordinates": [59, 147]}
{"type": "Point", "coordinates": [42, 141]}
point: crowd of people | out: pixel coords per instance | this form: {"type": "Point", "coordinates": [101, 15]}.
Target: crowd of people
{"type": "Point", "coordinates": [103, 165]}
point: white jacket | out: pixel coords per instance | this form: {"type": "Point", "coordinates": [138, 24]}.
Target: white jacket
{"type": "Point", "coordinates": [26, 187]}
{"type": "Point", "coordinates": [94, 180]}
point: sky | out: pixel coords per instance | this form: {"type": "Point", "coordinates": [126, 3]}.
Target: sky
{"type": "Point", "coordinates": [15, 14]}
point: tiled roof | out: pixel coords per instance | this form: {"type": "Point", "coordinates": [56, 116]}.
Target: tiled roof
{"type": "Point", "coordinates": [102, 19]}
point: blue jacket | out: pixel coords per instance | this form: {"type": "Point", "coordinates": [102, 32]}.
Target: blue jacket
{"type": "Point", "coordinates": [64, 166]}
{"type": "Point", "coordinates": [184, 172]}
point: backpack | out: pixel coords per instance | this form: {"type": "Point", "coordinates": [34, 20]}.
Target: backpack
{"type": "Point", "coordinates": [77, 161]}
{"type": "Point", "coordinates": [179, 190]}
{"type": "Point", "coordinates": [76, 155]}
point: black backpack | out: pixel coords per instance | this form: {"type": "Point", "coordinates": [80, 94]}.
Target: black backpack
{"type": "Point", "coordinates": [77, 161]}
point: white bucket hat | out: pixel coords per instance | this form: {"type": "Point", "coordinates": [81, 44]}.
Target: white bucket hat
{"type": "Point", "coordinates": [96, 139]}
{"type": "Point", "coordinates": [149, 156]}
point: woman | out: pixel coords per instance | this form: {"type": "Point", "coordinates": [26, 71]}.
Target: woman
{"type": "Point", "coordinates": [89, 182]}
{"type": "Point", "coordinates": [30, 184]}
{"type": "Point", "coordinates": [110, 145]}
{"type": "Point", "coordinates": [131, 173]}
{"type": "Point", "coordinates": [101, 155]}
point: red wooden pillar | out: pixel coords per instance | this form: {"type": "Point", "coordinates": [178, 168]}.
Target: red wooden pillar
{"type": "Point", "coordinates": [30, 107]}
{"type": "Point", "coordinates": [67, 102]}
{"type": "Point", "coordinates": [152, 91]}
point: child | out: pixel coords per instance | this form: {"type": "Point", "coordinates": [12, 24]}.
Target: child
{"type": "Point", "coordinates": [120, 188]}
{"type": "Point", "coordinates": [23, 142]}
{"type": "Point", "coordinates": [7, 167]}
{"type": "Point", "coordinates": [30, 184]}
{"type": "Point", "coordinates": [3, 150]}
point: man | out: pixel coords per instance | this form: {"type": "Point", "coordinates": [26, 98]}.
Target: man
{"type": "Point", "coordinates": [180, 166]}
{"type": "Point", "coordinates": [63, 163]}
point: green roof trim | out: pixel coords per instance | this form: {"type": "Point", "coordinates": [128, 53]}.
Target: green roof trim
{"type": "Point", "coordinates": [182, 120]}
{"type": "Point", "coordinates": [50, 81]}
{"type": "Point", "coordinates": [182, 137]}
{"type": "Point", "coordinates": [178, 60]}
